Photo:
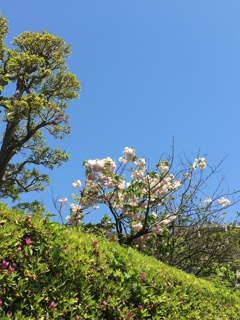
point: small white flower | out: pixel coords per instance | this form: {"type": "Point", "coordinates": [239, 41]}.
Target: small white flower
{"type": "Point", "coordinates": [76, 184]}
{"type": "Point", "coordinates": [188, 175]}
{"type": "Point", "coordinates": [202, 163]}
{"type": "Point", "coordinates": [194, 165]}
{"type": "Point", "coordinates": [63, 200]}
{"type": "Point", "coordinates": [164, 169]}
{"type": "Point", "coordinates": [154, 215]}
{"type": "Point", "coordinates": [141, 164]}
{"type": "Point", "coordinates": [75, 208]}
{"type": "Point", "coordinates": [224, 202]}
{"type": "Point", "coordinates": [177, 184]}
{"type": "Point", "coordinates": [208, 200]}
{"type": "Point", "coordinates": [129, 154]}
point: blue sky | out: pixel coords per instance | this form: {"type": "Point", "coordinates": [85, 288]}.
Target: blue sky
{"type": "Point", "coordinates": [149, 70]}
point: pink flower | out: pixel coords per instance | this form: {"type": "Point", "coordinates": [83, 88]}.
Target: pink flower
{"type": "Point", "coordinates": [140, 307]}
{"type": "Point", "coordinates": [77, 318]}
{"type": "Point", "coordinates": [129, 315]}
{"type": "Point", "coordinates": [4, 264]}
{"type": "Point", "coordinates": [28, 241]}
{"type": "Point", "coordinates": [94, 243]}
{"type": "Point", "coordinates": [19, 249]}
{"type": "Point", "coordinates": [1, 302]}
{"type": "Point", "coordinates": [9, 313]}
{"type": "Point", "coordinates": [104, 303]}
{"type": "Point", "coordinates": [28, 217]}
{"type": "Point", "coordinates": [142, 276]}
{"type": "Point", "coordinates": [52, 305]}
{"type": "Point", "coordinates": [10, 269]}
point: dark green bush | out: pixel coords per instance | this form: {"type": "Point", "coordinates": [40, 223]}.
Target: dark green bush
{"type": "Point", "coordinates": [49, 271]}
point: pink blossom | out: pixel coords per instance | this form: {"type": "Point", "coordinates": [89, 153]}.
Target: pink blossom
{"type": "Point", "coordinates": [165, 222]}
{"type": "Point", "coordinates": [224, 202]}
{"type": "Point", "coordinates": [137, 227]}
{"type": "Point", "coordinates": [10, 269]}
{"type": "Point", "coordinates": [163, 168]}
{"type": "Point", "coordinates": [129, 154]}
{"type": "Point", "coordinates": [77, 318]}
{"type": "Point", "coordinates": [109, 165]}
{"type": "Point", "coordinates": [142, 276]}
{"type": "Point", "coordinates": [19, 248]}
{"type": "Point", "coordinates": [104, 303]}
{"type": "Point", "coordinates": [94, 243]}
{"type": "Point", "coordinates": [76, 184]}
{"type": "Point", "coordinates": [95, 165]}
{"type": "Point", "coordinates": [4, 264]}
{"type": "Point", "coordinates": [28, 241]}
{"type": "Point", "coordinates": [9, 313]}
{"type": "Point", "coordinates": [157, 230]}
{"type": "Point", "coordinates": [52, 305]}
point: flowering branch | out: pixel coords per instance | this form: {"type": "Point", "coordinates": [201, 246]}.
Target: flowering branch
{"type": "Point", "coordinates": [145, 205]}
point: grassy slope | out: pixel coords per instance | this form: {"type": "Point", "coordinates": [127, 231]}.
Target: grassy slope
{"type": "Point", "coordinates": [67, 274]}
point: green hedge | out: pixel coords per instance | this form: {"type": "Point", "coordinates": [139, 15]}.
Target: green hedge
{"type": "Point", "coordinates": [49, 271]}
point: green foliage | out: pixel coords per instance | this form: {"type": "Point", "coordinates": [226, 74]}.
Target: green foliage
{"type": "Point", "coordinates": [49, 271]}
{"type": "Point", "coordinates": [203, 250]}
{"type": "Point", "coordinates": [36, 66]}
{"type": "Point", "coordinates": [223, 276]}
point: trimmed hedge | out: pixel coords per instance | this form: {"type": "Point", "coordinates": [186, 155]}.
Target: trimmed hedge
{"type": "Point", "coordinates": [49, 271]}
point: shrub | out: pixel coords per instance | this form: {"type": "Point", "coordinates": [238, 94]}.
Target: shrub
{"type": "Point", "coordinates": [49, 271]}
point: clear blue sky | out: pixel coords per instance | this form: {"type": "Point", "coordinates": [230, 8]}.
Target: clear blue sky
{"type": "Point", "coordinates": [149, 70]}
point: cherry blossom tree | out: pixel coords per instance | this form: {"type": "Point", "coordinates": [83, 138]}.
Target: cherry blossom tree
{"type": "Point", "coordinates": [144, 205]}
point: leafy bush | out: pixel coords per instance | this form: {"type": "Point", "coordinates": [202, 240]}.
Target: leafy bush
{"type": "Point", "coordinates": [49, 271]}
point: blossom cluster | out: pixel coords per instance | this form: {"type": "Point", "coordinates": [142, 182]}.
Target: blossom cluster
{"type": "Point", "coordinates": [200, 162]}
{"type": "Point", "coordinates": [131, 201]}
{"type": "Point", "coordinates": [129, 154]}
{"type": "Point", "coordinates": [5, 265]}
{"type": "Point", "coordinates": [224, 202]}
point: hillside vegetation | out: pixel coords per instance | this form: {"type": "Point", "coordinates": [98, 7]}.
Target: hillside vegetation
{"type": "Point", "coordinates": [50, 271]}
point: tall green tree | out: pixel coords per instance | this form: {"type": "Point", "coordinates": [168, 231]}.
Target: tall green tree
{"type": "Point", "coordinates": [35, 66]}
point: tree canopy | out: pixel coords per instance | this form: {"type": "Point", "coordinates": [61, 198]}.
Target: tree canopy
{"type": "Point", "coordinates": [36, 67]}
